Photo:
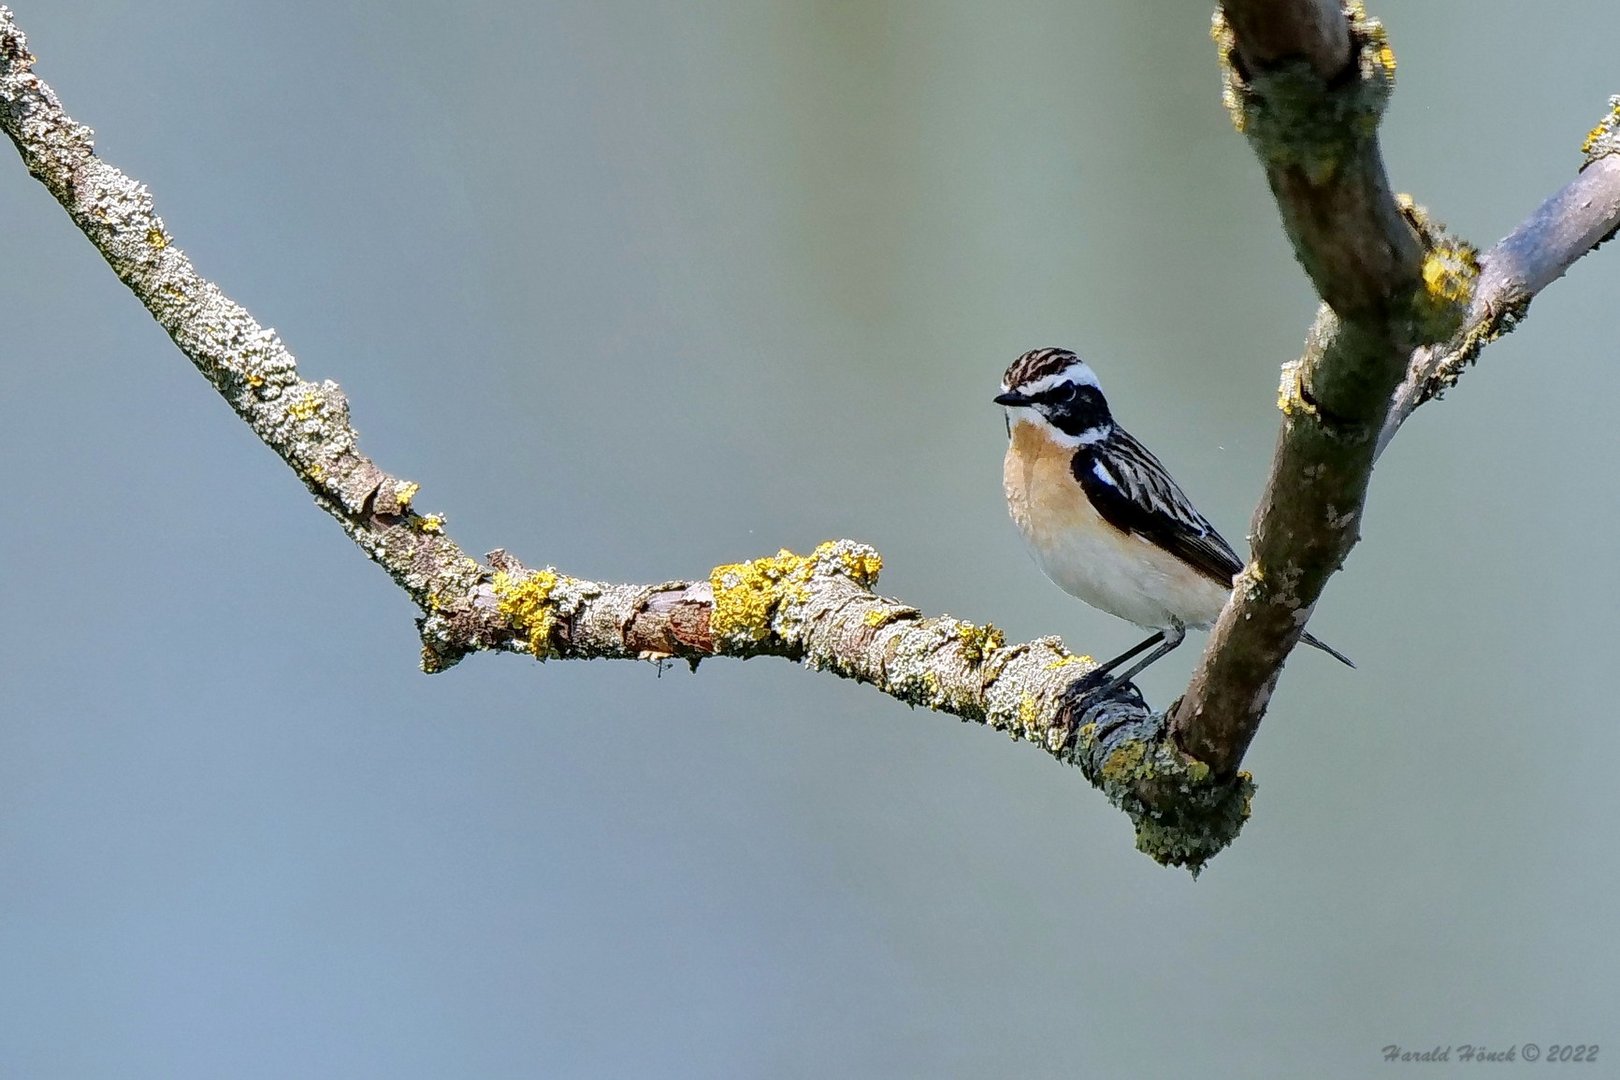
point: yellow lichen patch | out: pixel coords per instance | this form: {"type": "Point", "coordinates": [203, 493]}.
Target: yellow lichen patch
{"type": "Point", "coordinates": [1071, 661]}
{"type": "Point", "coordinates": [1291, 391]}
{"type": "Point", "coordinates": [405, 492]}
{"type": "Point", "coordinates": [1415, 213]}
{"type": "Point", "coordinates": [1450, 270]}
{"type": "Point", "coordinates": [933, 692]}
{"type": "Point", "coordinates": [1029, 714]}
{"type": "Point", "coordinates": [430, 523]}
{"type": "Point", "coordinates": [1251, 582]}
{"type": "Point", "coordinates": [879, 617]}
{"type": "Point", "coordinates": [306, 406]}
{"type": "Point", "coordinates": [1605, 127]}
{"type": "Point", "coordinates": [1232, 88]}
{"type": "Point", "coordinates": [525, 603]}
{"type": "Point", "coordinates": [1376, 50]}
{"type": "Point", "coordinates": [254, 379]}
{"type": "Point", "coordinates": [979, 641]}
{"type": "Point", "coordinates": [1126, 763]}
{"type": "Point", "coordinates": [746, 594]}
{"type": "Point", "coordinates": [317, 471]}
{"type": "Point", "coordinates": [861, 563]}
{"type": "Point", "coordinates": [1449, 273]}
{"type": "Point", "coordinates": [1197, 771]}
{"type": "Point", "coordinates": [1386, 57]}
{"type": "Point", "coordinates": [155, 237]}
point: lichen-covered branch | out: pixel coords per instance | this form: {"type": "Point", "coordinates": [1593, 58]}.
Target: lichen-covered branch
{"type": "Point", "coordinates": [1406, 307]}
{"type": "Point", "coordinates": [306, 423]}
{"type": "Point", "coordinates": [1274, 33]}
{"type": "Point", "coordinates": [818, 609]}
{"type": "Point", "coordinates": [1389, 282]}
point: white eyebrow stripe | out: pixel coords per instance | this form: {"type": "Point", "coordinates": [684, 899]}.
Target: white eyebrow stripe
{"type": "Point", "coordinates": [1079, 373]}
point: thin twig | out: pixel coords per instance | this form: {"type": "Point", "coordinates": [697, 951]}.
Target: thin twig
{"type": "Point", "coordinates": [1571, 223]}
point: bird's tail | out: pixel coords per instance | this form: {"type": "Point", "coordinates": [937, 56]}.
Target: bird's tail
{"type": "Point", "coordinates": [1311, 639]}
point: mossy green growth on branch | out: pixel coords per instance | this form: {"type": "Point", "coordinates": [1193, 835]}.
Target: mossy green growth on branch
{"type": "Point", "coordinates": [1182, 814]}
{"type": "Point", "coordinates": [1296, 119]}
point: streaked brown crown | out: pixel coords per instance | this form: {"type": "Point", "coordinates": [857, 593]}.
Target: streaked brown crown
{"type": "Point", "coordinates": [1036, 364]}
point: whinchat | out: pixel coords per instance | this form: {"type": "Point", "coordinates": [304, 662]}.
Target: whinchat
{"type": "Point", "coordinates": [1104, 519]}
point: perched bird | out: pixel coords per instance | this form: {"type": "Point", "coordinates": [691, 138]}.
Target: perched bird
{"type": "Point", "coordinates": [1104, 519]}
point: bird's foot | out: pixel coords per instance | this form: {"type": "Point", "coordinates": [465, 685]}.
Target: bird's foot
{"type": "Point", "coordinates": [1100, 683]}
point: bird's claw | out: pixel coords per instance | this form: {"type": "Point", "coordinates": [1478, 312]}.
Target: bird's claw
{"type": "Point", "coordinates": [1098, 684]}
{"type": "Point", "coordinates": [1091, 682]}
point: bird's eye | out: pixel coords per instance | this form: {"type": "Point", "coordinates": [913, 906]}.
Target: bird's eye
{"type": "Point", "coordinates": [1065, 393]}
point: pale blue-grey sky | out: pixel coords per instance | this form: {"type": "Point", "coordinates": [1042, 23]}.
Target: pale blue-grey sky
{"type": "Point", "coordinates": [639, 288]}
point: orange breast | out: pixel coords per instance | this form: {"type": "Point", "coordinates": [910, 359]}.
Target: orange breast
{"type": "Point", "coordinates": [1083, 554]}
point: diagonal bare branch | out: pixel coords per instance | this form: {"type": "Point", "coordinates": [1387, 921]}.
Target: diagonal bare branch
{"type": "Point", "coordinates": [1572, 222]}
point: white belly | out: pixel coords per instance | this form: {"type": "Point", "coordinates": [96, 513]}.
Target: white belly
{"type": "Point", "coordinates": [1086, 557]}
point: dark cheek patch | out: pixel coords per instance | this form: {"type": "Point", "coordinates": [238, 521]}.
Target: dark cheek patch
{"type": "Point", "coordinates": [1086, 411]}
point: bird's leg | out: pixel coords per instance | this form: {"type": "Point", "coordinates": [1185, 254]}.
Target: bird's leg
{"type": "Point", "coordinates": [1097, 674]}
{"type": "Point", "coordinates": [1091, 684]}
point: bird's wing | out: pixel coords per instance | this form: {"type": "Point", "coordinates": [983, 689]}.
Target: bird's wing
{"type": "Point", "coordinates": [1134, 493]}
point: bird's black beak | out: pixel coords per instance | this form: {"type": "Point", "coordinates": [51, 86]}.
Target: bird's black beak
{"type": "Point", "coordinates": [1013, 397]}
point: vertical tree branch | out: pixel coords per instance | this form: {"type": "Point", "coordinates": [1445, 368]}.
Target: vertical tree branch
{"type": "Point", "coordinates": [1388, 282]}
{"type": "Point", "coordinates": [1394, 285]}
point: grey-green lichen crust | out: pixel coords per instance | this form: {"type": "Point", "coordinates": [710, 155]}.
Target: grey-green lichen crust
{"type": "Point", "coordinates": [1183, 814]}
{"type": "Point", "coordinates": [1290, 115]}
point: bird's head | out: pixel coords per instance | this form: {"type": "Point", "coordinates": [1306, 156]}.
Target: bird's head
{"type": "Point", "coordinates": [1057, 391]}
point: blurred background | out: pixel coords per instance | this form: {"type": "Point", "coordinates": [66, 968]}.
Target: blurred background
{"type": "Point", "coordinates": [639, 288]}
